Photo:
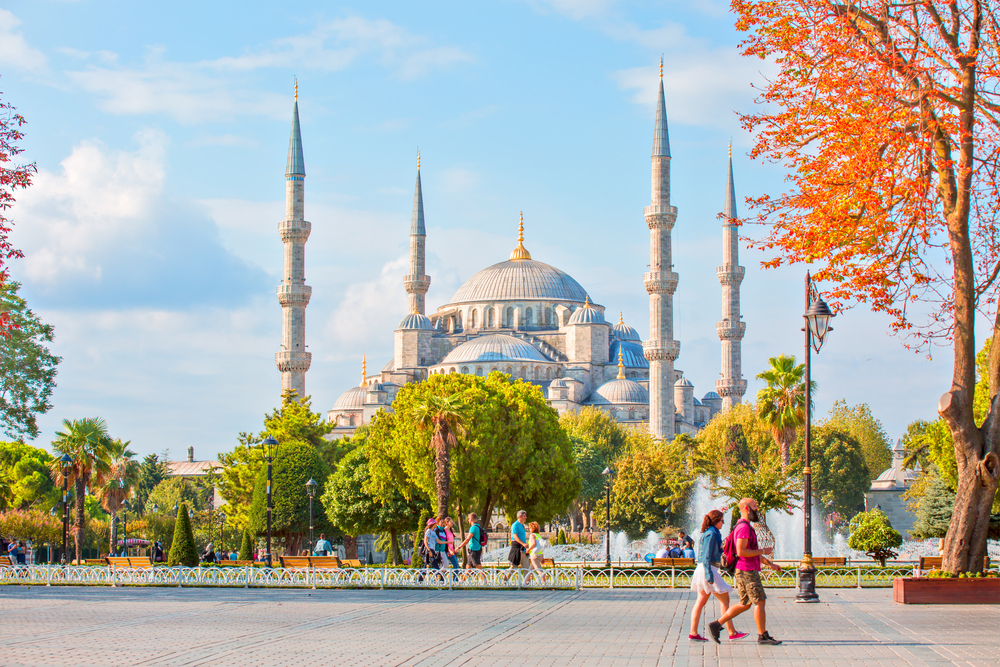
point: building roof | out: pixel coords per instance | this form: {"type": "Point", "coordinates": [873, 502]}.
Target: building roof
{"type": "Point", "coordinates": [519, 280]}
{"type": "Point", "coordinates": [494, 348]}
{"type": "Point", "coordinates": [190, 468]}
{"type": "Point", "coordinates": [711, 396]}
{"type": "Point", "coordinates": [619, 392]}
{"type": "Point", "coordinates": [632, 354]}
{"type": "Point", "coordinates": [683, 382]}
{"type": "Point", "coordinates": [587, 315]}
{"type": "Point", "coordinates": [352, 399]}
{"type": "Point", "coordinates": [296, 162]}
{"type": "Point", "coordinates": [415, 321]}
{"type": "Point", "coordinates": [624, 331]}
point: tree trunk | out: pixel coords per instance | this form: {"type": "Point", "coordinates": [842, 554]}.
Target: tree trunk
{"type": "Point", "coordinates": [574, 509]}
{"type": "Point", "coordinates": [395, 547]}
{"type": "Point", "coordinates": [441, 440]}
{"type": "Point", "coordinates": [80, 518]}
{"type": "Point", "coordinates": [113, 542]}
{"type": "Point", "coordinates": [350, 547]}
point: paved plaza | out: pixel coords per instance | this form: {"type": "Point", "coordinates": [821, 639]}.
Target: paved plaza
{"type": "Point", "coordinates": [647, 627]}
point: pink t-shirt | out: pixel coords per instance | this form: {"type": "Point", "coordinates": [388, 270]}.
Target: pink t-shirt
{"type": "Point", "coordinates": [744, 531]}
{"type": "Point", "coordinates": [451, 540]}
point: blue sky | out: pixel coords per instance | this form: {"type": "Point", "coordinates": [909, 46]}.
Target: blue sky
{"type": "Point", "coordinates": [160, 132]}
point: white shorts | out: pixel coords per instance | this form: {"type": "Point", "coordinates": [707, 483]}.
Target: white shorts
{"type": "Point", "coordinates": [701, 585]}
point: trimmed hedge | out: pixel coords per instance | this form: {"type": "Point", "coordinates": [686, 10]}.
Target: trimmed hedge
{"type": "Point", "coordinates": [183, 551]}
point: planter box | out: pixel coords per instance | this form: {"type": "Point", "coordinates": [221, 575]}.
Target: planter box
{"type": "Point", "coordinates": [921, 590]}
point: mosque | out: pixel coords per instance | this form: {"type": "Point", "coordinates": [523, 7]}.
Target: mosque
{"type": "Point", "coordinates": [532, 321]}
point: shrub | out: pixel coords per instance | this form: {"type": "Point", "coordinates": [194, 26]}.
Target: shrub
{"type": "Point", "coordinates": [872, 533]}
{"type": "Point", "coordinates": [183, 551]}
{"type": "Point", "coordinates": [246, 547]}
{"type": "Point", "coordinates": [561, 537]}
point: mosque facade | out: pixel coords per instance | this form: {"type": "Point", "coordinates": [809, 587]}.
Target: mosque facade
{"type": "Point", "coordinates": [536, 323]}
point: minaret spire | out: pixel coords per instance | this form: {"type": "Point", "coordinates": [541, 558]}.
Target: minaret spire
{"type": "Point", "coordinates": [293, 294]}
{"type": "Point", "coordinates": [416, 282]}
{"type": "Point", "coordinates": [661, 282]}
{"type": "Point", "coordinates": [731, 387]}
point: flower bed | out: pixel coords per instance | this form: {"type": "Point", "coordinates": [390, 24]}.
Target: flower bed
{"type": "Point", "coordinates": [946, 590]}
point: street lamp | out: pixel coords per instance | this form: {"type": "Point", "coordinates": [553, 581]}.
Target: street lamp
{"type": "Point", "coordinates": [222, 531]}
{"type": "Point", "coordinates": [125, 524]}
{"type": "Point", "coordinates": [607, 526]}
{"type": "Point", "coordinates": [211, 498]}
{"type": "Point", "coordinates": [54, 512]}
{"type": "Point", "coordinates": [817, 318]}
{"type": "Point", "coordinates": [65, 461]}
{"type": "Point", "coordinates": [269, 445]}
{"type": "Point", "coordinates": [311, 490]}
{"type": "Point", "coordinates": [156, 508]}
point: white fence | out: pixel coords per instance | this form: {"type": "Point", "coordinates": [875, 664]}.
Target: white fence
{"type": "Point", "coordinates": [384, 577]}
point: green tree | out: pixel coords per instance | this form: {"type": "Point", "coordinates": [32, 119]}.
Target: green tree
{"type": "Point", "coordinates": [766, 480]}
{"type": "Point", "coordinates": [152, 471]}
{"type": "Point", "coordinates": [513, 453]}
{"type": "Point", "coordinates": [595, 426]}
{"type": "Point", "coordinates": [934, 509]}
{"type": "Point", "coordinates": [117, 484]}
{"type": "Point", "coordinates": [86, 441]}
{"type": "Point", "coordinates": [444, 417]}
{"type": "Point", "coordinates": [859, 422]}
{"type": "Point", "coordinates": [590, 463]}
{"type": "Point", "coordinates": [872, 533]}
{"type": "Point", "coordinates": [294, 464]}
{"type": "Point", "coordinates": [295, 420]}
{"type": "Point", "coordinates": [729, 440]}
{"type": "Point", "coordinates": [782, 403]}
{"type": "Point", "coordinates": [27, 369]}
{"type": "Point", "coordinates": [182, 550]}
{"type": "Point", "coordinates": [355, 511]}
{"type": "Point", "coordinates": [240, 469]}
{"type": "Point", "coordinates": [840, 474]}
{"type": "Point", "coordinates": [247, 547]}
{"type": "Point", "coordinates": [173, 491]}
{"type": "Point", "coordinates": [24, 477]}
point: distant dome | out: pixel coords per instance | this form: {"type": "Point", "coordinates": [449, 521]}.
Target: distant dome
{"type": "Point", "coordinates": [697, 402]}
{"type": "Point", "coordinates": [519, 280]}
{"type": "Point", "coordinates": [587, 315]}
{"type": "Point", "coordinates": [632, 354]}
{"type": "Point", "coordinates": [493, 348]}
{"type": "Point", "coordinates": [352, 399]}
{"type": "Point", "coordinates": [683, 382]}
{"type": "Point", "coordinates": [559, 383]}
{"type": "Point", "coordinates": [619, 392]}
{"type": "Point", "coordinates": [625, 332]}
{"type": "Point", "coordinates": [711, 396]}
{"type": "Point", "coordinates": [416, 321]}
{"type": "Point", "coordinates": [889, 475]}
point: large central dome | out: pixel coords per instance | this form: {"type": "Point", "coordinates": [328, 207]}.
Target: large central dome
{"type": "Point", "coordinates": [519, 280]}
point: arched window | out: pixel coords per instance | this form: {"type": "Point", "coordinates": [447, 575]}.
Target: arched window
{"type": "Point", "coordinates": [479, 371]}
{"type": "Point", "coordinates": [612, 413]}
{"type": "Point", "coordinates": [538, 372]}
{"type": "Point", "coordinates": [633, 374]}
{"type": "Point", "coordinates": [548, 316]}
{"type": "Point", "coordinates": [631, 414]}
{"type": "Point", "coordinates": [459, 319]}
{"type": "Point", "coordinates": [548, 373]}
{"type": "Point", "coordinates": [352, 420]}
{"type": "Point", "coordinates": [524, 372]}
{"type": "Point", "coordinates": [527, 316]}
{"type": "Point", "coordinates": [510, 318]}
{"type": "Point", "coordinates": [645, 375]}
{"type": "Point", "coordinates": [472, 318]}
{"type": "Point", "coordinates": [489, 317]}
{"type": "Point", "coordinates": [453, 370]}
{"type": "Point", "coordinates": [494, 369]}
{"type": "Point", "coordinates": [465, 370]}
{"type": "Point", "coordinates": [510, 371]}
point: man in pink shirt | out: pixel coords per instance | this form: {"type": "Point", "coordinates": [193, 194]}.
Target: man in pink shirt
{"type": "Point", "coordinates": [748, 584]}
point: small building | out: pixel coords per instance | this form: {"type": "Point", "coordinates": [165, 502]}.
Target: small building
{"type": "Point", "coordinates": [886, 492]}
{"type": "Point", "coordinates": [193, 468]}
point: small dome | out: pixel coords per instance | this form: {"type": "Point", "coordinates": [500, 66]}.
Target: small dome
{"type": "Point", "coordinates": [352, 399]}
{"type": "Point", "coordinates": [625, 332]}
{"type": "Point", "coordinates": [587, 315]}
{"type": "Point", "coordinates": [519, 280]}
{"type": "Point", "coordinates": [697, 402]}
{"type": "Point", "coordinates": [559, 383]}
{"type": "Point", "coordinates": [711, 396]}
{"type": "Point", "coordinates": [683, 382]}
{"type": "Point", "coordinates": [416, 321]}
{"type": "Point", "coordinates": [632, 354]}
{"type": "Point", "coordinates": [391, 366]}
{"type": "Point", "coordinates": [889, 475]}
{"type": "Point", "coordinates": [493, 348]}
{"type": "Point", "coordinates": [619, 392]}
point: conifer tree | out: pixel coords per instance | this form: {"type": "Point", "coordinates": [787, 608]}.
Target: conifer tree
{"type": "Point", "coordinates": [183, 551]}
{"type": "Point", "coordinates": [246, 547]}
{"type": "Point", "coordinates": [936, 508]}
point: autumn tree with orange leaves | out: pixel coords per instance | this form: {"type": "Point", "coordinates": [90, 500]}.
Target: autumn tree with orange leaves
{"type": "Point", "coordinates": [12, 177]}
{"type": "Point", "coordinates": [886, 114]}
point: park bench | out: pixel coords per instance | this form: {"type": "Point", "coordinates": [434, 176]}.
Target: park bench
{"type": "Point", "coordinates": [129, 562]}
{"type": "Point", "coordinates": [673, 562]}
{"type": "Point", "coordinates": [315, 562]}
{"type": "Point", "coordinates": [235, 563]}
{"type": "Point", "coordinates": [829, 561]}
{"type": "Point", "coordinates": [95, 561]}
{"type": "Point", "coordinates": [8, 561]}
{"type": "Point", "coordinates": [934, 563]}
{"type": "Point", "coordinates": [549, 562]}
{"type": "Point", "coordinates": [348, 562]}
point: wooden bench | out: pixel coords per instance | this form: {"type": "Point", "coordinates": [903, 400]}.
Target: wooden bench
{"type": "Point", "coordinates": [829, 561]}
{"type": "Point", "coordinates": [934, 563]}
{"type": "Point", "coordinates": [549, 562]}
{"type": "Point", "coordinates": [129, 562]}
{"type": "Point", "coordinates": [673, 562]}
{"type": "Point", "coordinates": [347, 562]}
{"type": "Point", "coordinates": [8, 561]}
{"type": "Point", "coordinates": [95, 561]}
{"type": "Point", "coordinates": [235, 563]}
{"type": "Point", "coordinates": [315, 562]}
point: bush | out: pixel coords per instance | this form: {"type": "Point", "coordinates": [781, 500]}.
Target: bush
{"type": "Point", "coordinates": [294, 463]}
{"type": "Point", "coordinates": [418, 538]}
{"type": "Point", "coordinates": [872, 533]}
{"type": "Point", "coordinates": [182, 551]}
{"type": "Point", "coordinates": [246, 547]}
{"type": "Point", "coordinates": [561, 537]}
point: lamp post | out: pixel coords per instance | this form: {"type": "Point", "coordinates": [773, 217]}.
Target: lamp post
{"type": "Point", "coordinates": [65, 462]}
{"type": "Point", "coordinates": [269, 445]}
{"type": "Point", "coordinates": [607, 525]}
{"type": "Point", "coordinates": [311, 491]}
{"type": "Point", "coordinates": [817, 318]}
{"type": "Point", "coordinates": [211, 499]}
{"type": "Point", "coordinates": [125, 525]}
{"type": "Point", "coordinates": [54, 512]}
{"type": "Point", "coordinates": [222, 531]}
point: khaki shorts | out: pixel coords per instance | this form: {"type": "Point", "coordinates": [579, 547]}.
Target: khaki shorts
{"type": "Point", "coordinates": [749, 587]}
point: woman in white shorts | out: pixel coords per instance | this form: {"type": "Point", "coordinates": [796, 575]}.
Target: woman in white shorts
{"type": "Point", "coordinates": [707, 580]}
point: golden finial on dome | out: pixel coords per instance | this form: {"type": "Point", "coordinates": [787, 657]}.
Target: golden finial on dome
{"type": "Point", "coordinates": [586, 302]}
{"type": "Point", "coordinates": [415, 311]}
{"type": "Point", "coordinates": [621, 317]}
{"type": "Point", "coordinates": [661, 68]}
{"type": "Point", "coordinates": [364, 369]}
{"type": "Point", "coordinates": [621, 365]}
{"type": "Point", "coordinates": [296, 89]}
{"type": "Point", "coordinates": [520, 252]}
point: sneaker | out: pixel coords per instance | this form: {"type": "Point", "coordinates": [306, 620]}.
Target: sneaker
{"type": "Point", "coordinates": [738, 635]}
{"type": "Point", "coordinates": [697, 638]}
{"type": "Point", "coordinates": [767, 639]}
{"type": "Point", "coordinates": [715, 629]}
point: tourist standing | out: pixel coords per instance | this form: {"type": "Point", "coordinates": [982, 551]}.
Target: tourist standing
{"type": "Point", "coordinates": [430, 545]}
{"type": "Point", "coordinates": [323, 547]}
{"type": "Point", "coordinates": [449, 529]}
{"type": "Point", "coordinates": [442, 543]}
{"type": "Point", "coordinates": [748, 584]}
{"type": "Point", "coordinates": [475, 541]}
{"type": "Point", "coordinates": [707, 580]}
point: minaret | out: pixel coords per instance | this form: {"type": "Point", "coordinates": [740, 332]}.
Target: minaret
{"type": "Point", "coordinates": [732, 386]}
{"type": "Point", "coordinates": [416, 282]}
{"type": "Point", "coordinates": [293, 293]}
{"type": "Point", "coordinates": [661, 282]}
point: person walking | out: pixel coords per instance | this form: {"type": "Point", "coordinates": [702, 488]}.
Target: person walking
{"type": "Point", "coordinates": [475, 541]}
{"type": "Point", "coordinates": [536, 550]}
{"type": "Point", "coordinates": [430, 545]}
{"type": "Point", "coordinates": [442, 544]}
{"type": "Point", "coordinates": [748, 584]}
{"type": "Point", "coordinates": [707, 580]}
{"type": "Point", "coordinates": [449, 530]}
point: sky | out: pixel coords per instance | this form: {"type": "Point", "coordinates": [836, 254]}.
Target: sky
{"type": "Point", "coordinates": [160, 132]}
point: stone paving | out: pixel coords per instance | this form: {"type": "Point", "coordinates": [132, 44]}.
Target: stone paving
{"type": "Point", "coordinates": [647, 627]}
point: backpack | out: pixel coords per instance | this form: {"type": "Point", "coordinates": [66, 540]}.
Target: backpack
{"type": "Point", "coordinates": [729, 556]}
{"type": "Point", "coordinates": [483, 537]}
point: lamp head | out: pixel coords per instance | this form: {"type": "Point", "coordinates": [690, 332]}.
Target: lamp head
{"type": "Point", "coordinates": [175, 507]}
{"type": "Point", "coordinates": [606, 474]}
{"type": "Point", "coordinates": [65, 461]}
{"type": "Point", "coordinates": [191, 513]}
{"type": "Point", "coordinates": [818, 316]}
{"type": "Point", "coordinates": [269, 445]}
{"type": "Point", "coordinates": [156, 508]}
{"type": "Point", "coordinates": [311, 487]}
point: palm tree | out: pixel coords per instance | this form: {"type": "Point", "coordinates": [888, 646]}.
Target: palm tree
{"type": "Point", "coordinates": [445, 414]}
{"type": "Point", "coordinates": [86, 441]}
{"type": "Point", "coordinates": [783, 402]}
{"type": "Point", "coordinates": [117, 484]}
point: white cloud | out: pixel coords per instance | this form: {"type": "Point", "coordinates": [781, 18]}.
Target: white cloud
{"type": "Point", "coordinates": [14, 49]}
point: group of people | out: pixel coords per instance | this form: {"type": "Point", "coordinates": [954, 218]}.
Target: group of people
{"type": "Point", "coordinates": [682, 548]}
{"type": "Point", "coordinates": [211, 556]}
{"type": "Point", "coordinates": [707, 579]}
{"type": "Point", "coordinates": [438, 549]}
{"type": "Point", "coordinates": [17, 551]}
